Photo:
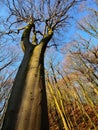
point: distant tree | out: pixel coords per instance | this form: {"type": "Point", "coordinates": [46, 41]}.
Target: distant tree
{"type": "Point", "coordinates": [88, 24]}
{"type": "Point", "coordinates": [82, 62]}
{"type": "Point", "coordinates": [27, 106]}
{"type": "Point", "coordinates": [8, 59]}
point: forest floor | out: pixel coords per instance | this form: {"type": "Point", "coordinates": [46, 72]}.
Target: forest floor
{"type": "Point", "coordinates": [81, 119]}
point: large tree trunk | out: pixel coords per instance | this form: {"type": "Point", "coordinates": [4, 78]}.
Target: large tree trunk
{"type": "Point", "coordinates": [27, 106]}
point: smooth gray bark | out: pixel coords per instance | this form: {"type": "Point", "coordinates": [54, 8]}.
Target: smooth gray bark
{"type": "Point", "coordinates": [27, 106]}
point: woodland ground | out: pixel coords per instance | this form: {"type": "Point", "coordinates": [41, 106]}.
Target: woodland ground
{"type": "Point", "coordinates": [80, 121]}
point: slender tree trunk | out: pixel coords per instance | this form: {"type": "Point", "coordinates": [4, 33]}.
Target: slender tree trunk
{"type": "Point", "coordinates": [27, 106]}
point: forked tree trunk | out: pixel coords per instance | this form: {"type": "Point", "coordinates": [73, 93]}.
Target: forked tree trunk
{"type": "Point", "coordinates": [27, 107]}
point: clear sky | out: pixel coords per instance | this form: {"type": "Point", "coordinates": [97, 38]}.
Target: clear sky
{"type": "Point", "coordinates": [71, 31]}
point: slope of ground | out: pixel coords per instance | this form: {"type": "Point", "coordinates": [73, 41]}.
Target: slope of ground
{"type": "Point", "coordinates": [81, 120]}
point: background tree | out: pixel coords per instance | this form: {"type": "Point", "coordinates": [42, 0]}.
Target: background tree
{"type": "Point", "coordinates": [8, 59]}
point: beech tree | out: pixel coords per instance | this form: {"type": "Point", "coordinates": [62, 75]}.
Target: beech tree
{"type": "Point", "coordinates": [41, 19]}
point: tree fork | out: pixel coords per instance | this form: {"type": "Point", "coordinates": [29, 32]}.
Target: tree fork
{"type": "Point", "coordinates": [27, 106]}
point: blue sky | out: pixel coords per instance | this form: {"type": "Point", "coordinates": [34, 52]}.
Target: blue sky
{"type": "Point", "coordinates": [71, 31]}
{"type": "Point", "coordinates": [77, 15]}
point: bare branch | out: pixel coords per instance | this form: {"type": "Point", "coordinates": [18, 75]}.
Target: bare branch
{"type": "Point", "coordinates": [26, 34]}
